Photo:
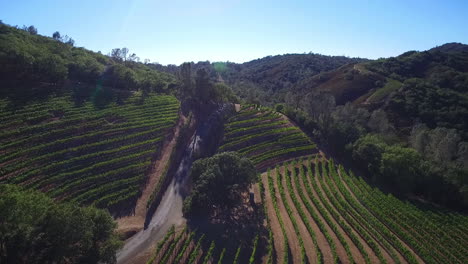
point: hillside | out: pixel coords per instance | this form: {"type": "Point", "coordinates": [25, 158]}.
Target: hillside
{"type": "Point", "coordinates": [264, 136]}
{"type": "Point", "coordinates": [266, 80]}
{"type": "Point", "coordinates": [84, 153]}
{"type": "Point", "coordinates": [35, 66]}
{"type": "Point", "coordinates": [296, 158]}
{"type": "Point", "coordinates": [322, 214]}
{"type": "Point", "coordinates": [280, 72]}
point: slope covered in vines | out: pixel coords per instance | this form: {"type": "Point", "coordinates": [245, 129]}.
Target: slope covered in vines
{"type": "Point", "coordinates": [320, 213]}
{"type": "Point", "coordinates": [264, 136]}
{"type": "Point", "coordinates": [83, 153]}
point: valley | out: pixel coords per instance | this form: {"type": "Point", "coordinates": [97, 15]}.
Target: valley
{"type": "Point", "coordinates": [294, 158]}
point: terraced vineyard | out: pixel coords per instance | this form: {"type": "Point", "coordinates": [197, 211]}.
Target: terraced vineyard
{"type": "Point", "coordinates": [265, 136]}
{"type": "Point", "coordinates": [319, 213]}
{"type": "Point", "coordinates": [83, 153]}
{"type": "Point", "coordinates": [190, 247]}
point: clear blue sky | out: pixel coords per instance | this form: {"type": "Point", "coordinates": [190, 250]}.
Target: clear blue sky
{"type": "Point", "coordinates": [174, 31]}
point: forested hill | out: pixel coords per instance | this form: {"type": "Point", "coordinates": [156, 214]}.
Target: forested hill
{"type": "Point", "coordinates": [34, 65]}
{"type": "Point", "coordinates": [274, 73]}
{"type": "Point", "coordinates": [267, 80]}
{"type": "Point", "coordinates": [403, 120]}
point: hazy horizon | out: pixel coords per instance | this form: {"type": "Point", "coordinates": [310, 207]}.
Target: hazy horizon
{"type": "Point", "coordinates": [240, 31]}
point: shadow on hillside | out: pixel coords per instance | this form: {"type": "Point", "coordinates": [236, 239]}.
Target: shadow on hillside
{"type": "Point", "coordinates": [234, 228]}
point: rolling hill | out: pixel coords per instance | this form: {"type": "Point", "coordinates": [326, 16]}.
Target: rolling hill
{"type": "Point", "coordinates": [145, 142]}
{"type": "Point", "coordinates": [90, 155]}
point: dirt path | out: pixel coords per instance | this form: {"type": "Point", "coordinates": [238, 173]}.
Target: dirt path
{"type": "Point", "coordinates": [354, 250]}
{"type": "Point", "coordinates": [339, 247]}
{"type": "Point", "coordinates": [357, 255]}
{"type": "Point", "coordinates": [134, 223]}
{"type": "Point", "coordinates": [368, 249]}
{"type": "Point", "coordinates": [274, 223]}
{"type": "Point", "coordinates": [308, 243]}
{"type": "Point", "coordinates": [400, 256]}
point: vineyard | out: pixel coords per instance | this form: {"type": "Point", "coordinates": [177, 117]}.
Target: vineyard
{"type": "Point", "coordinates": [83, 153]}
{"type": "Point", "coordinates": [265, 136]}
{"type": "Point", "coordinates": [186, 246]}
{"type": "Point", "coordinates": [319, 213]}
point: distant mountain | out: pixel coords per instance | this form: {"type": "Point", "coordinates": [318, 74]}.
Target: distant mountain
{"type": "Point", "coordinates": [282, 71]}
{"type": "Point", "coordinates": [429, 86]}
{"type": "Point", "coordinates": [451, 47]}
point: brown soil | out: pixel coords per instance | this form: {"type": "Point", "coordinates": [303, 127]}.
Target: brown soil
{"type": "Point", "coordinates": [291, 234]}
{"type": "Point", "coordinates": [149, 253]}
{"type": "Point", "coordinates": [134, 223]}
{"type": "Point", "coordinates": [323, 242]}
{"type": "Point", "coordinates": [308, 243]}
{"type": "Point", "coordinates": [145, 256]}
{"type": "Point", "coordinates": [274, 223]}
{"type": "Point", "coordinates": [177, 248]}
{"type": "Point", "coordinates": [187, 252]}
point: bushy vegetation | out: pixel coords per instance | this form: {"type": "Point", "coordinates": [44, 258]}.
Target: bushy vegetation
{"type": "Point", "coordinates": [35, 65]}
{"type": "Point", "coordinates": [376, 142]}
{"type": "Point", "coordinates": [88, 154]}
{"type": "Point", "coordinates": [218, 182]}
{"type": "Point", "coordinates": [35, 229]}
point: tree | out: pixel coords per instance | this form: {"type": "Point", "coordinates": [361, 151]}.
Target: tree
{"type": "Point", "coordinates": [378, 122]}
{"type": "Point", "coordinates": [185, 75]}
{"type": "Point", "coordinates": [116, 54]}
{"type": "Point", "coordinates": [439, 144]}
{"type": "Point", "coordinates": [218, 183]}
{"type": "Point", "coordinates": [35, 229]}
{"type": "Point", "coordinates": [367, 153]}
{"type": "Point", "coordinates": [133, 57]}
{"type": "Point", "coordinates": [32, 30]}
{"type": "Point", "coordinates": [401, 168]}
{"type": "Point", "coordinates": [70, 42]}
{"type": "Point", "coordinates": [56, 36]}
{"type": "Point", "coordinates": [124, 53]}
{"type": "Point", "coordinates": [203, 86]}
{"type": "Point", "coordinates": [320, 105]}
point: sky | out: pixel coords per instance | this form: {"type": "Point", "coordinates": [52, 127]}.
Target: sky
{"type": "Point", "coordinates": [175, 31]}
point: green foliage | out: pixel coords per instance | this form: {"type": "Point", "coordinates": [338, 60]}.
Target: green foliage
{"type": "Point", "coordinates": [209, 253]}
{"type": "Point", "coordinates": [196, 250]}
{"type": "Point", "coordinates": [365, 214]}
{"type": "Point", "coordinates": [31, 61]}
{"type": "Point", "coordinates": [266, 80]}
{"type": "Point", "coordinates": [262, 135]}
{"type": "Point", "coordinates": [382, 92]}
{"type": "Point", "coordinates": [236, 257]}
{"type": "Point", "coordinates": [221, 256]}
{"type": "Point", "coordinates": [218, 182]}
{"type": "Point", "coordinates": [84, 153]}
{"type": "Point", "coordinates": [161, 243]}
{"type": "Point", "coordinates": [254, 250]}
{"type": "Point", "coordinates": [405, 170]}
{"type": "Point", "coordinates": [34, 229]}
